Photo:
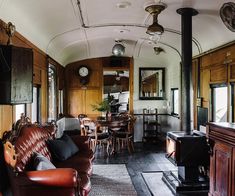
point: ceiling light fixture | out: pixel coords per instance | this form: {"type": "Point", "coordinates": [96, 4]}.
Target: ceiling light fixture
{"type": "Point", "coordinates": [155, 9]}
{"type": "Point", "coordinates": [118, 49]}
{"type": "Point", "coordinates": [158, 50]}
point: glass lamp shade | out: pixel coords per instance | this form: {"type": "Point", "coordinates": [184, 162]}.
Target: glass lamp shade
{"type": "Point", "coordinates": [118, 49]}
{"type": "Point", "coordinates": [155, 28]}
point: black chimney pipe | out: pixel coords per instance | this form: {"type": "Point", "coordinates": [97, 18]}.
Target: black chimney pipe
{"type": "Point", "coordinates": [186, 71]}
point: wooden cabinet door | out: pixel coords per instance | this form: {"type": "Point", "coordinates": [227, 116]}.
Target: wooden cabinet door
{"type": "Point", "coordinates": [80, 101]}
{"type": "Point", "coordinates": [220, 170]}
{"type": "Point", "coordinates": [219, 74]}
{"type": "Point", "coordinates": [92, 97]}
{"type": "Point", "coordinates": [233, 173]}
{"type": "Point", "coordinates": [76, 102]}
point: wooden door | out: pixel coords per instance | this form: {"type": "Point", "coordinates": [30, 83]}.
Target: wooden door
{"type": "Point", "coordinates": [220, 170]}
{"type": "Point", "coordinates": [80, 101]}
{"type": "Point", "coordinates": [92, 97]}
{"type": "Point", "coordinates": [76, 101]}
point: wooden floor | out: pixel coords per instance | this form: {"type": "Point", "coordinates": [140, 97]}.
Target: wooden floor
{"type": "Point", "coordinates": [147, 157]}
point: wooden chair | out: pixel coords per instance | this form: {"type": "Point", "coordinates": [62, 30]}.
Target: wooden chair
{"type": "Point", "coordinates": [98, 134]}
{"type": "Point", "coordinates": [126, 137]}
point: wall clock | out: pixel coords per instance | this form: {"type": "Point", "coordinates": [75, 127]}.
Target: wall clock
{"type": "Point", "coordinates": [84, 74]}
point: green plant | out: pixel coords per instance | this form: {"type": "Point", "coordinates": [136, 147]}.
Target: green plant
{"type": "Point", "coordinates": [103, 106]}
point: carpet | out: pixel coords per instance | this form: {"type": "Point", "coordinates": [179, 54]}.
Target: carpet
{"type": "Point", "coordinates": [111, 180]}
{"type": "Point", "coordinates": [155, 184]}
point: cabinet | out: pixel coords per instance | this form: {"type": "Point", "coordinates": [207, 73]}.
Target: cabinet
{"type": "Point", "coordinates": [16, 79]}
{"type": "Point", "coordinates": [150, 124]}
{"type": "Point", "coordinates": [81, 101]}
{"type": "Point", "coordinates": [222, 162]}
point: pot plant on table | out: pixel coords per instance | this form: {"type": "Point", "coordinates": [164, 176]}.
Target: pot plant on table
{"type": "Point", "coordinates": [103, 106]}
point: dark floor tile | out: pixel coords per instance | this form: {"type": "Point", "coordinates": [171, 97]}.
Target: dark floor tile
{"type": "Point", "coordinates": [147, 157]}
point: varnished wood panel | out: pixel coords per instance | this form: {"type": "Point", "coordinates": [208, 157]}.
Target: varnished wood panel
{"type": "Point", "coordinates": [233, 172]}
{"type": "Point", "coordinates": [204, 84]}
{"type": "Point", "coordinates": [37, 75]}
{"type": "Point", "coordinates": [72, 77]}
{"type": "Point", "coordinates": [44, 95]}
{"type": "Point", "coordinates": [5, 118]}
{"type": "Point", "coordinates": [40, 63]}
{"type": "Point", "coordinates": [76, 102]}
{"type": "Point", "coordinates": [232, 71]}
{"type": "Point", "coordinates": [92, 97]}
{"type": "Point", "coordinates": [219, 57]}
{"type": "Point", "coordinates": [195, 66]}
{"type": "Point", "coordinates": [80, 101]}
{"type": "Point", "coordinates": [219, 74]}
{"type": "Point", "coordinates": [116, 62]}
{"type": "Point", "coordinates": [221, 166]}
{"type": "Point", "coordinates": [206, 61]}
{"type": "Point", "coordinates": [222, 141]}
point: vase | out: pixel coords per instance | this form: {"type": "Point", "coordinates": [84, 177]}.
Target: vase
{"type": "Point", "coordinates": [108, 116]}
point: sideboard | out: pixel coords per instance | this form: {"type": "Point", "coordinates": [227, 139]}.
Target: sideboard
{"type": "Point", "coordinates": [222, 161]}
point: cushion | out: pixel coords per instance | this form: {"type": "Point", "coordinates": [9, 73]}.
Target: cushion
{"type": "Point", "coordinates": [62, 148]}
{"type": "Point", "coordinates": [42, 163]}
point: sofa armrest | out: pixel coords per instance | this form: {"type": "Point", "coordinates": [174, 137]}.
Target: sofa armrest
{"type": "Point", "coordinates": [83, 142]}
{"type": "Point", "coordinates": [62, 177]}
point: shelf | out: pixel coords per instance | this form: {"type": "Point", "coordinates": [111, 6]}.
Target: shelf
{"type": "Point", "coordinates": [150, 124]}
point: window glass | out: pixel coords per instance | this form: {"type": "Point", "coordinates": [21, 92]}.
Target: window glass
{"type": "Point", "coordinates": [61, 109]}
{"type": "Point", "coordinates": [19, 109]}
{"type": "Point", "coordinates": [52, 93]}
{"type": "Point", "coordinates": [35, 110]}
{"type": "Point", "coordinates": [219, 104]}
{"type": "Point", "coordinates": [175, 101]}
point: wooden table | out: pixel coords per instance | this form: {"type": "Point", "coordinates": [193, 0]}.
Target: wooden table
{"type": "Point", "coordinates": [114, 125]}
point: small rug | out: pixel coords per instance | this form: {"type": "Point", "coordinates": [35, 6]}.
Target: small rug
{"type": "Point", "coordinates": [111, 180]}
{"type": "Point", "coordinates": [155, 184]}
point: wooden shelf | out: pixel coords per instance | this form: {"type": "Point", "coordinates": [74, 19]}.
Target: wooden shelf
{"type": "Point", "coordinates": [150, 125]}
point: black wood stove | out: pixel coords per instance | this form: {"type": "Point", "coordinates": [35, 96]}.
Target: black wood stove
{"type": "Point", "coordinates": [190, 154]}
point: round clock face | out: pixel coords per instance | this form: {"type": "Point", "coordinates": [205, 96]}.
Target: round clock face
{"type": "Point", "coordinates": [83, 71]}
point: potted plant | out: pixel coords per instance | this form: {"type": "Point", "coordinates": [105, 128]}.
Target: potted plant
{"type": "Point", "coordinates": [103, 106]}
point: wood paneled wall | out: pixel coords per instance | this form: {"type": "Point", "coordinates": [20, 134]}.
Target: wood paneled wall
{"type": "Point", "coordinates": [217, 67]}
{"type": "Point", "coordinates": [80, 98]}
{"type": "Point", "coordinates": [40, 62]}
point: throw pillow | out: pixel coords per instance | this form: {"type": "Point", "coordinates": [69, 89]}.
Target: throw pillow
{"type": "Point", "coordinates": [41, 163]}
{"type": "Point", "coordinates": [62, 148]}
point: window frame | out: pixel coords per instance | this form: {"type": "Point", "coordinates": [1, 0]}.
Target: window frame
{"type": "Point", "coordinates": [213, 86]}
{"type": "Point", "coordinates": [173, 101]}
{"type": "Point", "coordinates": [53, 67]}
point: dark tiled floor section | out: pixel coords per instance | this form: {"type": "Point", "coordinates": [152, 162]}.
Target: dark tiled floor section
{"type": "Point", "coordinates": [147, 157]}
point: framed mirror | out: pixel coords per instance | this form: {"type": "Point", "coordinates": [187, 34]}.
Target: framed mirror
{"type": "Point", "coordinates": [151, 83]}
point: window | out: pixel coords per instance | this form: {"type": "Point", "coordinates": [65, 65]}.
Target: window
{"type": "Point", "coordinates": [61, 108]}
{"type": "Point", "coordinates": [219, 103]}
{"type": "Point", "coordinates": [35, 109]}
{"type": "Point", "coordinates": [175, 101]}
{"type": "Point", "coordinates": [52, 113]}
{"type": "Point", "coordinates": [19, 109]}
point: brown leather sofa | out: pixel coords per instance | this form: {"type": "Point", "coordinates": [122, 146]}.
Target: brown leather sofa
{"type": "Point", "coordinates": [71, 177]}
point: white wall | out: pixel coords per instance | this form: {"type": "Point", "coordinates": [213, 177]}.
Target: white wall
{"type": "Point", "coordinates": [172, 80]}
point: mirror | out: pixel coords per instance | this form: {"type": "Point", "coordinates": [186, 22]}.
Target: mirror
{"type": "Point", "coordinates": [116, 87]}
{"type": "Point", "coordinates": [151, 83]}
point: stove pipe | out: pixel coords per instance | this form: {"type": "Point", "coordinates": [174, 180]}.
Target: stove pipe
{"type": "Point", "coordinates": [186, 70]}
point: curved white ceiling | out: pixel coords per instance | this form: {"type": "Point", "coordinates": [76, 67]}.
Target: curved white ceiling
{"type": "Point", "coordinates": [68, 33]}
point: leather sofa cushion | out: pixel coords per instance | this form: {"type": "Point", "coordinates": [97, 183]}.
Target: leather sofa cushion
{"type": "Point", "coordinates": [41, 163]}
{"type": "Point", "coordinates": [62, 148]}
